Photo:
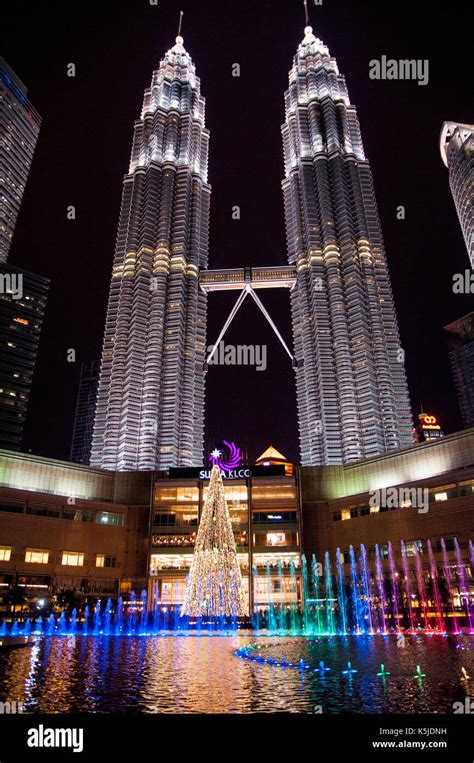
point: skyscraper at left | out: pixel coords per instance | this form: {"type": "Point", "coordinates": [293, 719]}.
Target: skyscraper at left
{"type": "Point", "coordinates": [150, 403]}
{"type": "Point", "coordinates": [19, 129]}
{"type": "Point", "coordinates": [23, 294]}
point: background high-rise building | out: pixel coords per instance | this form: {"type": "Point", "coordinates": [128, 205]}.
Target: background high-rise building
{"type": "Point", "coordinates": [85, 412]}
{"type": "Point", "coordinates": [457, 152]}
{"type": "Point", "coordinates": [351, 386]}
{"type": "Point", "coordinates": [22, 305]}
{"type": "Point", "coordinates": [461, 355]}
{"type": "Point", "coordinates": [19, 128]}
{"type": "Point", "coordinates": [150, 403]}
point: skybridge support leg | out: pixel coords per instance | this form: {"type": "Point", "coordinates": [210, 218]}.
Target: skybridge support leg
{"type": "Point", "coordinates": [247, 290]}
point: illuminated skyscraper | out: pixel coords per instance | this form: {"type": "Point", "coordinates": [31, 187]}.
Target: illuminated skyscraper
{"type": "Point", "coordinates": [22, 306]}
{"type": "Point", "coordinates": [19, 129]}
{"type": "Point", "coordinates": [457, 152]}
{"type": "Point", "coordinates": [351, 386]}
{"type": "Point", "coordinates": [150, 405]}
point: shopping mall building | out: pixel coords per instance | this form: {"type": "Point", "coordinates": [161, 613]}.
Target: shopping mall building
{"type": "Point", "coordinates": [67, 527]}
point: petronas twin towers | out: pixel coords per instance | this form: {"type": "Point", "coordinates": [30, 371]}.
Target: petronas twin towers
{"type": "Point", "coordinates": [350, 378]}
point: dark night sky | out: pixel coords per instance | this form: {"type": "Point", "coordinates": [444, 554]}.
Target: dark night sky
{"type": "Point", "coordinates": [84, 149]}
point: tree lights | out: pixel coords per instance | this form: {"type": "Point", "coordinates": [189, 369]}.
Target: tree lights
{"type": "Point", "coordinates": [214, 587]}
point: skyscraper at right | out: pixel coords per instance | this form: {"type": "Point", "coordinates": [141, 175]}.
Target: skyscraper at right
{"type": "Point", "coordinates": [457, 152]}
{"type": "Point", "coordinates": [352, 392]}
{"type": "Point", "coordinates": [19, 128]}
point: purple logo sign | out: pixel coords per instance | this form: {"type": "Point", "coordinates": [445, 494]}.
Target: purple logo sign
{"type": "Point", "coordinates": [230, 460]}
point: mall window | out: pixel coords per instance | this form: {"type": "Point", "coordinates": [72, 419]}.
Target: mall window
{"type": "Point", "coordinates": [336, 516]}
{"type": "Point", "coordinates": [276, 539]}
{"type": "Point", "coordinates": [440, 497]}
{"type": "Point", "coordinates": [5, 553]}
{"type": "Point", "coordinates": [43, 511]}
{"type": "Point", "coordinates": [104, 560]}
{"type": "Point", "coordinates": [11, 506]}
{"type": "Point", "coordinates": [411, 545]}
{"type": "Point", "coordinates": [345, 514]}
{"type": "Point", "coordinates": [108, 518]}
{"type": "Point", "coordinates": [374, 509]}
{"type": "Point", "coordinates": [73, 558]}
{"type": "Point", "coordinates": [448, 543]}
{"type": "Point", "coordinates": [172, 494]}
{"type": "Point", "coordinates": [274, 492]}
{"type": "Point", "coordinates": [36, 556]}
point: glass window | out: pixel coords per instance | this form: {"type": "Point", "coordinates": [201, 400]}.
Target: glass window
{"type": "Point", "coordinates": [108, 518]}
{"type": "Point", "coordinates": [36, 556]}
{"type": "Point", "coordinates": [411, 545]}
{"type": "Point", "coordinates": [276, 539]}
{"type": "Point", "coordinates": [5, 553]}
{"type": "Point", "coordinates": [104, 560]}
{"type": "Point", "coordinates": [441, 496]}
{"type": "Point", "coordinates": [73, 558]}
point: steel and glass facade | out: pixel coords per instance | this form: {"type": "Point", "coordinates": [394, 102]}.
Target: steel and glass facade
{"type": "Point", "coordinates": [457, 152]}
{"type": "Point", "coordinates": [150, 405]}
{"type": "Point", "coordinates": [19, 128]}
{"type": "Point", "coordinates": [351, 386]}
{"type": "Point", "coordinates": [266, 522]}
{"type": "Point", "coordinates": [85, 412]}
{"type": "Point", "coordinates": [22, 306]}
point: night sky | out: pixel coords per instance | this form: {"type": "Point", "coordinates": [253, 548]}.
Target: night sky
{"type": "Point", "coordinates": [83, 153]}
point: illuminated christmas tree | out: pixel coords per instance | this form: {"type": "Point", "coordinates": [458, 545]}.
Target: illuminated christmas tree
{"type": "Point", "coordinates": [214, 587]}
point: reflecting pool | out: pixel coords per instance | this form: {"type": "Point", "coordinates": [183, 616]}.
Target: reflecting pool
{"type": "Point", "coordinates": [205, 674]}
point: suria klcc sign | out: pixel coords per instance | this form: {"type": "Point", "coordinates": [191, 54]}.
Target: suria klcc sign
{"type": "Point", "coordinates": [229, 461]}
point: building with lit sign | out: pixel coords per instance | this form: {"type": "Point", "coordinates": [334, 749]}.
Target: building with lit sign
{"type": "Point", "coordinates": [263, 506]}
{"type": "Point", "coordinates": [88, 532]}
{"type": "Point", "coordinates": [428, 428]}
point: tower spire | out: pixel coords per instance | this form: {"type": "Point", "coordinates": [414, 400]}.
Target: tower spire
{"type": "Point", "coordinates": [180, 23]}
{"type": "Point", "coordinates": [306, 14]}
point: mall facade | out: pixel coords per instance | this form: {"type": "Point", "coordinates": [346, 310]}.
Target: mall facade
{"type": "Point", "coordinates": [65, 527]}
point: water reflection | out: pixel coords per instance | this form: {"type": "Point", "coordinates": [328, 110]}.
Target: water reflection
{"type": "Point", "coordinates": [202, 675]}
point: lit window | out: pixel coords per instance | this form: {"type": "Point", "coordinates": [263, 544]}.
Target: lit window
{"type": "Point", "coordinates": [345, 514]}
{"type": "Point", "coordinates": [374, 509]}
{"type": "Point", "coordinates": [108, 518]}
{"type": "Point", "coordinates": [36, 556]}
{"type": "Point", "coordinates": [5, 553]}
{"type": "Point", "coordinates": [441, 497]}
{"type": "Point", "coordinates": [104, 560]}
{"type": "Point", "coordinates": [73, 558]}
{"type": "Point", "coordinates": [276, 539]}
